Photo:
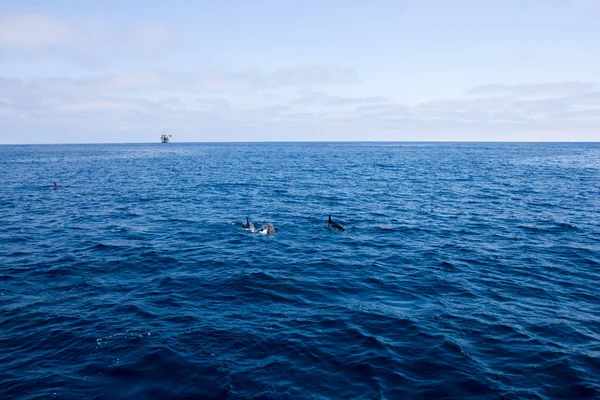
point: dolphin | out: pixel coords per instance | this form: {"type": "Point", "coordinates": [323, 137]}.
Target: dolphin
{"type": "Point", "coordinates": [54, 185]}
{"type": "Point", "coordinates": [268, 229]}
{"type": "Point", "coordinates": [249, 226]}
{"type": "Point", "coordinates": [334, 225]}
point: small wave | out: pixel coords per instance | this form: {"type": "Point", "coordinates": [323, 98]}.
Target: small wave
{"type": "Point", "coordinates": [549, 228]}
{"type": "Point", "coordinates": [103, 247]}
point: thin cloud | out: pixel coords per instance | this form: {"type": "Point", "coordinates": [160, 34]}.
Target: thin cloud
{"type": "Point", "coordinates": [586, 5]}
{"type": "Point", "coordinates": [555, 89]}
{"type": "Point", "coordinates": [35, 33]}
{"type": "Point", "coordinates": [309, 97]}
{"type": "Point", "coordinates": [87, 42]}
{"type": "Point", "coordinates": [198, 82]}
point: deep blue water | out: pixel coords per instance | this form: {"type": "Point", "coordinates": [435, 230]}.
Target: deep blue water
{"type": "Point", "coordinates": [468, 271]}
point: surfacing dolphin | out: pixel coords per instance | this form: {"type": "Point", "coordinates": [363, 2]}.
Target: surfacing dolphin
{"type": "Point", "coordinates": [268, 229]}
{"type": "Point", "coordinates": [249, 226]}
{"type": "Point", "coordinates": [334, 225]}
{"type": "Point", "coordinates": [54, 185]}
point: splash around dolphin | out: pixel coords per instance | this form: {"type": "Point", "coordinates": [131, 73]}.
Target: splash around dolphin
{"type": "Point", "coordinates": [335, 225]}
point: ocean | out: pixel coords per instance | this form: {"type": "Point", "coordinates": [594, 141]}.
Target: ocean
{"type": "Point", "coordinates": [466, 271]}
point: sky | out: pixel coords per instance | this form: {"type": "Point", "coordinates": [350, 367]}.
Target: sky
{"type": "Point", "coordinates": [305, 70]}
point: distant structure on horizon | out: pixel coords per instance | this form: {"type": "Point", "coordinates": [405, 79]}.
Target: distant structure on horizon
{"type": "Point", "coordinates": [164, 138]}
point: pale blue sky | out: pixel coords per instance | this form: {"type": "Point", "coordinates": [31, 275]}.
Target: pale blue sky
{"type": "Point", "coordinates": [73, 71]}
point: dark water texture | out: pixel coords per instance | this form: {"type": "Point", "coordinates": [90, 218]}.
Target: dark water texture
{"type": "Point", "coordinates": [467, 271]}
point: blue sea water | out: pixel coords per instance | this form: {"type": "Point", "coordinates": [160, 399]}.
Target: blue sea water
{"type": "Point", "coordinates": [467, 271]}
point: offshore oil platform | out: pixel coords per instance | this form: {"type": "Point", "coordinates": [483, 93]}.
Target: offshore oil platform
{"type": "Point", "coordinates": [164, 138]}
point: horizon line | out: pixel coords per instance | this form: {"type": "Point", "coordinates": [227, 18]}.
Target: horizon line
{"type": "Point", "coordinates": [301, 141]}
